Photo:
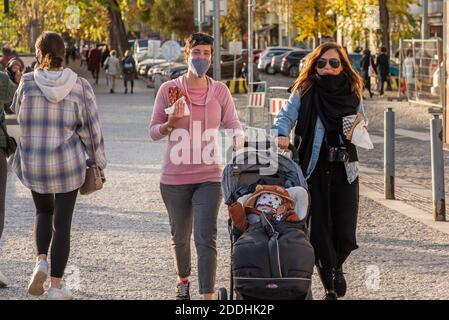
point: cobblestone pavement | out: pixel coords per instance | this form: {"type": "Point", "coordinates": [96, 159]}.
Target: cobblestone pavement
{"type": "Point", "coordinates": [121, 243]}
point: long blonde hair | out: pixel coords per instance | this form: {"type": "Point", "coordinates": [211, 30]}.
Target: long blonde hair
{"type": "Point", "coordinates": [305, 79]}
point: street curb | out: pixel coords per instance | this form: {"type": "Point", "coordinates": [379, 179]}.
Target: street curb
{"type": "Point", "coordinates": [400, 206]}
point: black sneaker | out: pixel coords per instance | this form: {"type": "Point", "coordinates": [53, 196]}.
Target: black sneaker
{"type": "Point", "coordinates": [330, 295]}
{"type": "Point", "coordinates": [182, 291]}
{"type": "Point", "coordinates": [340, 282]}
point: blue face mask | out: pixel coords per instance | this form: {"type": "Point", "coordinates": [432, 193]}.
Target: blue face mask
{"type": "Point", "coordinates": [199, 66]}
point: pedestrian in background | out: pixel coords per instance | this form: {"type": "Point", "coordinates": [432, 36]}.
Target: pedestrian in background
{"type": "Point", "coordinates": [367, 70]}
{"type": "Point", "coordinates": [383, 69]}
{"type": "Point", "coordinates": [54, 108]}
{"type": "Point", "coordinates": [409, 72]}
{"type": "Point", "coordinates": [84, 54]}
{"type": "Point", "coordinates": [105, 53]}
{"type": "Point", "coordinates": [129, 70]}
{"type": "Point", "coordinates": [7, 90]}
{"type": "Point", "coordinates": [112, 65]}
{"type": "Point", "coordinates": [6, 56]}
{"type": "Point", "coordinates": [94, 61]}
{"type": "Point", "coordinates": [15, 69]}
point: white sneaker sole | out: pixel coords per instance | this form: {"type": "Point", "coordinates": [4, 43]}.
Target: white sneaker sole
{"type": "Point", "coordinates": [36, 286]}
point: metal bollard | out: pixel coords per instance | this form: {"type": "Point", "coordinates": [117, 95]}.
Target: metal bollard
{"type": "Point", "coordinates": [389, 154]}
{"type": "Point", "coordinates": [438, 196]}
{"type": "Point", "coordinates": [157, 83]}
{"type": "Point", "coordinates": [250, 116]}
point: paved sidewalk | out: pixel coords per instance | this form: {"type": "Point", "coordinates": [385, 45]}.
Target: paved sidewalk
{"type": "Point", "coordinates": [121, 244]}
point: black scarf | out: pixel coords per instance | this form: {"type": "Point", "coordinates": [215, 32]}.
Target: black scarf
{"type": "Point", "coordinates": [330, 98]}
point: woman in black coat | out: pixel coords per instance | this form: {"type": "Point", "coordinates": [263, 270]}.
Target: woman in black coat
{"type": "Point", "coordinates": [365, 64]}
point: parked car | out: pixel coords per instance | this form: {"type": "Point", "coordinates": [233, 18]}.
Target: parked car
{"type": "Point", "coordinates": [290, 62]}
{"type": "Point", "coordinates": [131, 43]}
{"type": "Point", "coordinates": [156, 70]}
{"type": "Point", "coordinates": [227, 66]}
{"type": "Point", "coordinates": [145, 65]}
{"type": "Point", "coordinates": [256, 55]}
{"type": "Point", "coordinates": [174, 71]}
{"type": "Point", "coordinates": [266, 55]}
{"type": "Point", "coordinates": [276, 63]}
{"type": "Point", "coordinates": [140, 49]}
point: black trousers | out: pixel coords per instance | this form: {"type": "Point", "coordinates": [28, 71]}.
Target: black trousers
{"type": "Point", "coordinates": [367, 82]}
{"type": "Point", "coordinates": [333, 213]}
{"type": "Point", "coordinates": [96, 74]}
{"type": "Point", "coordinates": [52, 225]}
{"type": "Point", "coordinates": [125, 82]}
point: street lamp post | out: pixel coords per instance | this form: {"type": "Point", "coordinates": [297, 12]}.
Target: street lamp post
{"type": "Point", "coordinates": [217, 51]}
{"type": "Point", "coordinates": [5, 6]}
{"type": "Point", "coordinates": [425, 20]}
{"type": "Point", "coordinates": [251, 4]}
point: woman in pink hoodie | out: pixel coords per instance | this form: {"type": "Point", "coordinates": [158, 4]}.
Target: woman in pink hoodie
{"type": "Point", "coordinates": [191, 174]}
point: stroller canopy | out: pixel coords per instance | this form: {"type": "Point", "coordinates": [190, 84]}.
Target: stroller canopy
{"type": "Point", "coordinates": [252, 167]}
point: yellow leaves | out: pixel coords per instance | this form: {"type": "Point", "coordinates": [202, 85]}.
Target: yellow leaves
{"type": "Point", "coordinates": [312, 17]}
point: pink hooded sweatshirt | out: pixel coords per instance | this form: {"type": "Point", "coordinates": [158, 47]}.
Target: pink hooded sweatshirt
{"type": "Point", "coordinates": [211, 108]}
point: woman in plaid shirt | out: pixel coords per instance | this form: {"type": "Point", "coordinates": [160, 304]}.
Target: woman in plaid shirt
{"type": "Point", "coordinates": [51, 157]}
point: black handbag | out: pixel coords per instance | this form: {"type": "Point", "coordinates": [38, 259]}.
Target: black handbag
{"type": "Point", "coordinates": [11, 144]}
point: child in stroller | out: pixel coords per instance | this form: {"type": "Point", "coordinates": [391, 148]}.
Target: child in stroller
{"type": "Point", "coordinates": [271, 256]}
{"type": "Point", "coordinates": [275, 202]}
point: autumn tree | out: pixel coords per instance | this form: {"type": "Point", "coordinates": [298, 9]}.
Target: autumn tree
{"type": "Point", "coordinates": [313, 18]}
{"type": "Point", "coordinates": [172, 17]}
{"type": "Point", "coordinates": [235, 24]}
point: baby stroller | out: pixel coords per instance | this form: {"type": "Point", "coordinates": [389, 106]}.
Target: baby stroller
{"type": "Point", "coordinates": [269, 261]}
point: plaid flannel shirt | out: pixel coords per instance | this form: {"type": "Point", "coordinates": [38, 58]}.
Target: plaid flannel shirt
{"type": "Point", "coordinates": [55, 137]}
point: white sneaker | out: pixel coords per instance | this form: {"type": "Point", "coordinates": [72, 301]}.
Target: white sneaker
{"type": "Point", "coordinates": [3, 280]}
{"type": "Point", "coordinates": [40, 274]}
{"type": "Point", "coordinates": [59, 294]}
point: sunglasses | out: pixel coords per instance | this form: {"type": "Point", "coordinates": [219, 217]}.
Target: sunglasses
{"type": "Point", "coordinates": [334, 63]}
{"type": "Point", "coordinates": [203, 37]}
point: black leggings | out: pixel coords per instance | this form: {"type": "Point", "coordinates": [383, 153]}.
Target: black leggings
{"type": "Point", "coordinates": [3, 174]}
{"type": "Point", "coordinates": [53, 222]}
{"type": "Point", "coordinates": [126, 84]}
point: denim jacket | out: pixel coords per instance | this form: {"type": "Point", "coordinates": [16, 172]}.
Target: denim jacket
{"type": "Point", "coordinates": [285, 121]}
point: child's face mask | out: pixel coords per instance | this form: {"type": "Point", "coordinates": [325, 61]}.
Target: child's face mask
{"type": "Point", "coordinates": [268, 203]}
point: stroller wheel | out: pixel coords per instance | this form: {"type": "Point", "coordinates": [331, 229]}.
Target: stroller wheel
{"type": "Point", "coordinates": [309, 295]}
{"type": "Point", "coordinates": [222, 294]}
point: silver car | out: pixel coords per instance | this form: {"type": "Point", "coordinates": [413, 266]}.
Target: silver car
{"type": "Point", "coordinates": [266, 56]}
